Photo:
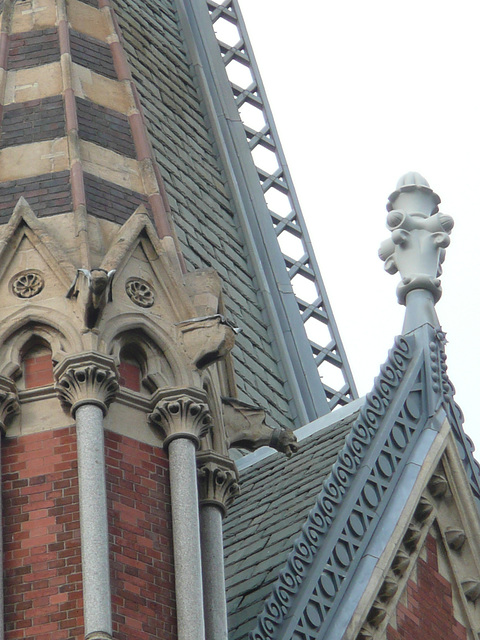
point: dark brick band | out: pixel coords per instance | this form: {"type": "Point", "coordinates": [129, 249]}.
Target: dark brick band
{"type": "Point", "coordinates": [109, 201]}
{"type": "Point", "coordinates": [47, 195]}
{"type": "Point", "coordinates": [33, 121]}
{"type": "Point", "coordinates": [105, 127]}
{"type": "Point", "coordinates": [92, 53]}
{"type": "Point", "coordinates": [33, 48]}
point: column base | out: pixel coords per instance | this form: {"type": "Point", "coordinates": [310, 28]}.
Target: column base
{"type": "Point", "coordinates": [98, 635]}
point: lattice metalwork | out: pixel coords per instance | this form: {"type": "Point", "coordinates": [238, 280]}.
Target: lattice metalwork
{"type": "Point", "coordinates": [282, 202]}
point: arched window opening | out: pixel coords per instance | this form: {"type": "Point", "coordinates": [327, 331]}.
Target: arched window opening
{"type": "Point", "coordinates": [130, 369]}
{"type": "Point", "coordinates": [37, 366]}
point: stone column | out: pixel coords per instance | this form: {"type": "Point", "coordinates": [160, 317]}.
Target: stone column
{"type": "Point", "coordinates": [218, 487]}
{"type": "Point", "coordinates": [87, 384]}
{"type": "Point", "coordinates": [8, 407]}
{"type": "Point", "coordinates": [183, 418]}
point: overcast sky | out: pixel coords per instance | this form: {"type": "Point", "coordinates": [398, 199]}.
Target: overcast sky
{"type": "Point", "coordinates": [363, 92]}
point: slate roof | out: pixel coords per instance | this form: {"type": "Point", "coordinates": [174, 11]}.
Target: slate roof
{"type": "Point", "coordinates": [262, 525]}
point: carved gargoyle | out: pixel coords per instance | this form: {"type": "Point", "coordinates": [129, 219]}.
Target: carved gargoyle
{"type": "Point", "coordinates": [246, 428]}
{"type": "Point", "coordinates": [99, 292]}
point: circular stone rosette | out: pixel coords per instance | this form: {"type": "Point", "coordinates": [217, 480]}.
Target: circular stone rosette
{"type": "Point", "coordinates": [140, 292]}
{"type": "Point", "coordinates": [27, 284]}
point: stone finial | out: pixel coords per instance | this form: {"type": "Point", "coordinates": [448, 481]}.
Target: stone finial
{"type": "Point", "coordinates": [87, 378]}
{"type": "Point", "coordinates": [217, 480]}
{"type": "Point", "coordinates": [8, 401]}
{"type": "Point", "coordinates": [181, 413]}
{"type": "Point", "coordinates": [420, 235]}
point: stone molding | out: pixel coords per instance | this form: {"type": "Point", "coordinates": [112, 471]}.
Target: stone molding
{"type": "Point", "coordinates": [181, 413]}
{"type": "Point", "coordinates": [8, 401]}
{"type": "Point", "coordinates": [217, 480]}
{"type": "Point", "coordinates": [86, 378]}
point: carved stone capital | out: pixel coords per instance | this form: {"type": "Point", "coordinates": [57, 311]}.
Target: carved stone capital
{"type": "Point", "coordinates": [181, 413]}
{"type": "Point", "coordinates": [217, 480]}
{"type": "Point", "coordinates": [8, 401]}
{"type": "Point", "coordinates": [86, 378]}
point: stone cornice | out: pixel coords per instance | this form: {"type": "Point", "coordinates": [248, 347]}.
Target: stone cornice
{"type": "Point", "coordinates": [181, 413]}
{"type": "Point", "coordinates": [217, 480]}
{"type": "Point", "coordinates": [86, 378]}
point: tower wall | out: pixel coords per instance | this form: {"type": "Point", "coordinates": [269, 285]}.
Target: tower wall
{"type": "Point", "coordinates": [207, 224]}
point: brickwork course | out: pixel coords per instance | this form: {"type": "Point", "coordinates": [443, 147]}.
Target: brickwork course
{"type": "Point", "coordinates": [428, 612]}
{"type": "Point", "coordinates": [42, 566]}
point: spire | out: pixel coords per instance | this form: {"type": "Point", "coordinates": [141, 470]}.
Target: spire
{"type": "Point", "coordinates": [73, 135]}
{"type": "Point", "coordinates": [420, 235]}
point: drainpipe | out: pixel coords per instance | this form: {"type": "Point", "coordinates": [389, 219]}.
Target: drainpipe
{"type": "Point", "coordinates": [182, 417]}
{"type": "Point", "coordinates": [218, 487]}
{"type": "Point", "coordinates": [8, 407]}
{"type": "Point", "coordinates": [87, 384]}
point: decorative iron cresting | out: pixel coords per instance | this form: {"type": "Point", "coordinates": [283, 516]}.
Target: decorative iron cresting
{"type": "Point", "coordinates": [352, 536]}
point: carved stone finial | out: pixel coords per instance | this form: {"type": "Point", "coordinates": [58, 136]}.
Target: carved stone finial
{"type": "Point", "coordinates": [8, 401]}
{"type": "Point", "coordinates": [87, 378]}
{"type": "Point", "coordinates": [420, 236]}
{"type": "Point", "coordinates": [217, 480]}
{"type": "Point", "coordinates": [181, 413]}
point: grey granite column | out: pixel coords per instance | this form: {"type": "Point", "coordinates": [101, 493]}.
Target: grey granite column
{"type": "Point", "coordinates": [87, 383]}
{"type": "Point", "coordinates": [218, 486]}
{"type": "Point", "coordinates": [8, 407]}
{"type": "Point", "coordinates": [183, 418]}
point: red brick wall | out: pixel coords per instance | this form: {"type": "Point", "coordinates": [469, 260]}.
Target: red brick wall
{"type": "Point", "coordinates": [429, 610]}
{"type": "Point", "coordinates": [42, 565]}
{"type": "Point", "coordinates": [140, 540]}
{"type": "Point", "coordinates": [38, 371]}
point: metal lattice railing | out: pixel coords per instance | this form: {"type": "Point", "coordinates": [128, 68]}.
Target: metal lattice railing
{"type": "Point", "coordinates": [282, 202]}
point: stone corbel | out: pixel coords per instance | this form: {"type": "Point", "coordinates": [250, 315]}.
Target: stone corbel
{"type": "Point", "coordinates": [217, 480]}
{"type": "Point", "coordinates": [86, 379]}
{"type": "Point", "coordinates": [8, 402]}
{"type": "Point", "coordinates": [181, 413]}
{"type": "Point", "coordinates": [246, 429]}
{"type": "Point", "coordinates": [207, 339]}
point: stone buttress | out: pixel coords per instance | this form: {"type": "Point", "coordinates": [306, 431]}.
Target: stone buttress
{"type": "Point", "coordinates": [117, 386]}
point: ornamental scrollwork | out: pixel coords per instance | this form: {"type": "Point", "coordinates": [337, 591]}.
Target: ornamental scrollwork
{"type": "Point", "coordinates": [330, 498]}
{"type": "Point", "coordinates": [181, 413]}
{"type": "Point", "coordinates": [86, 379]}
{"type": "Point", "coordinates": [9, 405]}
{"type": "Point", "coordinates": [217, 480]}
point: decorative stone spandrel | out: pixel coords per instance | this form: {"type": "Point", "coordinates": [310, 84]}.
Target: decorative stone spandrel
{"type": "Point", "coordinates": [8, 401]}
{"type": "Point", "coordinates": [181, 413]}
{"type": "Point", "coordinates": [420, 235]}
{"type": "Point", "coordinates": [217, 480]}
{"type": "Point", "coordinates": [87, 378]}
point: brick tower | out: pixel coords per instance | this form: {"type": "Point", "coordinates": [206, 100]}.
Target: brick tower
{"type": "Point", "coordinates": [132, 253]}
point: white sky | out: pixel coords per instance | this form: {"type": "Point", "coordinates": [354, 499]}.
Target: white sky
{"type": "Point", "coordinates": [363, 92]}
